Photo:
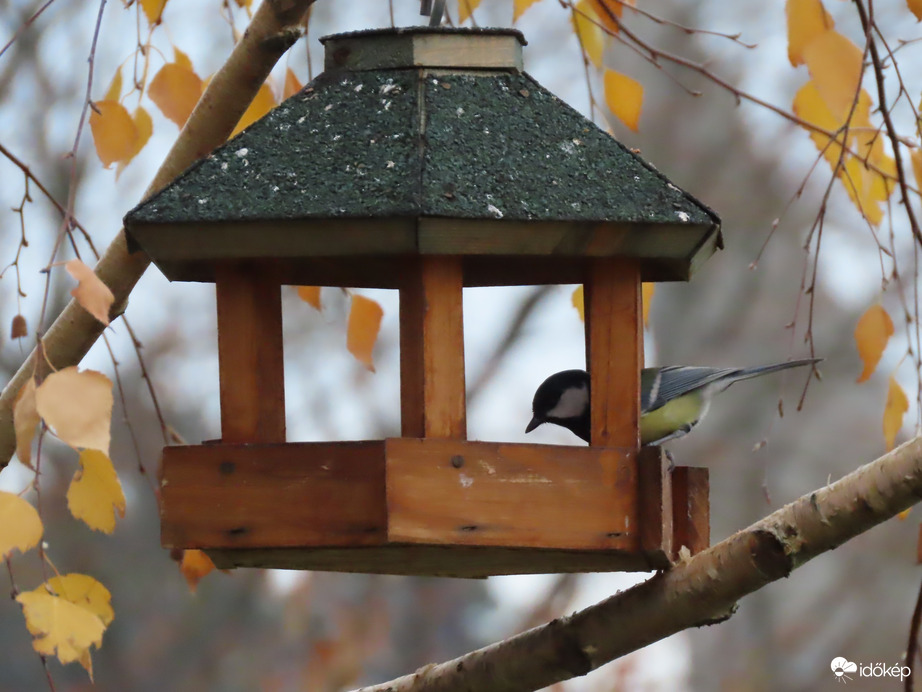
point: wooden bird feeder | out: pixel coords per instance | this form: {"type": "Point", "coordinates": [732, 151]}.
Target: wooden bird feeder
{"type": "Point", "coordinates": [426, 160]}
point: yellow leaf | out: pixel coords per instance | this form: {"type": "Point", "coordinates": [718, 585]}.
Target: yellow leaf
{"type": "Point", "coordinates": [114, 92]}
{"type": "Point", "coordinates": [809, 106]}
{"type": "Point", "coordinates": [916, 157]}
{"type": "Point", "coordinates": [19, 328]}
{"type": "Point", "coordinates": [519, 7]}
{"type": "Point", "coordinates": [466, 9]}
{"type": "Point", "coordinates": [175, 90]}
{"type": "Point", "coordinates": [915, 6]}
{"type": "Point", "coordinates": [77, 406]}
{"type": "Point", "coordinates": [897, 405]}
{"type": "Point", "coordinates": [624, 97]}
{"type": "Point", "coordinates": [92, 294]}
{"type": "Point", "coordinates": [195, 565]}
{"type": "Point", "coordinates": [646, 291]}
{"type": "Point", "coordinates": [835, 67]}
{"type": "Point", "coordinates": [872, 333]}
{"type": "Point", "coordinates": [182, 59]}
{"type": "Point", "coordinates": [863, 188]}
{"type": "Point", "coordinates": [145, 126]}
{"type": "Point", "coordinates": [60, 627]}
{"type": "Point", "coordinates": [114, 132]}
{"type": "Point", "coordinates": [95, 492]}
{"type": "Point", "coordinates": [25, 418]}
{"type": "Point", "coordinates": [262, 103]}
{"type": "Point", "coordinates": [605, 9]}
{"type": "Point", "coordinates": [362, 330]}
{"type": "Point", "coordinates": [588, 32]}
{"type": "Point", "coordinates": [807, 19]}
{"type": "Point", "coordinates": [292, 84]}
{"type": "Point", "coordinates": [244, 3]}
{"type": "Point", "coordinates": [84, 591]}
{"type": "Point", "coordinates": [310, 295]}
{"type": "Point", "coordinates": [153, 10]}
{"type": "Point", "coordinates": [579, 302]}
{"type": "Point", "coordinates": [20, 526]}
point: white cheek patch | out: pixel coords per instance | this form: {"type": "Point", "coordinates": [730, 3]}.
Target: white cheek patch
{"type": "Point", "coordinates": [572, 403]}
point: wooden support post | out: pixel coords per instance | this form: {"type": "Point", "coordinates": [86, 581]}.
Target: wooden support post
{"type": "Point", "coordinates": [250, 355]}
{"type": "Point", "coordinates": [432, 392]}
{"type": "Point", "coordinates": [614, 350]}
{"type": "Point", "coordinates": [691, 509]}
{"type": "Point", "coordinates": [655, 500]}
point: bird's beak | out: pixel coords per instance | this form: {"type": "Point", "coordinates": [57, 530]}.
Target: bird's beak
{"type": "Point", "coordinates": [535, 422]}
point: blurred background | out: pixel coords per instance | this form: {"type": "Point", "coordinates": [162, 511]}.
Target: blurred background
{"type": "Point", "coordinates": [258, 630]}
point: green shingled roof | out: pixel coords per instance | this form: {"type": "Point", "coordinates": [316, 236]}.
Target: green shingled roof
{"type": "Point", "coordinates": [394, 146]}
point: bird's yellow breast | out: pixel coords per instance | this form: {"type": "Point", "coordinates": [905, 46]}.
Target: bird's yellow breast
{"type": "Point", "coordinates": [662, 422]}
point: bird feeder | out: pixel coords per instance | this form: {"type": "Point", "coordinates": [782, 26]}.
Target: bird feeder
{"type": "Point", "coordinates": [426, 160]}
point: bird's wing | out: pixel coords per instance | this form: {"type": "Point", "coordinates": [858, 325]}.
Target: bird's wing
{"type": "Point", "coordinates": [661, 385]}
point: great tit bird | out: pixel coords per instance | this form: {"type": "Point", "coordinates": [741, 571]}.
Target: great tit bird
{"type": "Point", "coordinates": [673, 400]}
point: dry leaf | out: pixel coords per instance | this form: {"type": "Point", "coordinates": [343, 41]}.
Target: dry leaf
{"type": "Point", "coordinates": [175, 90]}
{"type": "Point", "coordinates": [261, 104]}
{"type": "Point", "coordinates": [915, 6]}
{"type": "Point", "coordinates": [872, 333]}
{"type": "Point", "coordinates": [19, 328]}
{"type": "Point", "coordinates": [194, 566]}
{"type": "Point", "coordinates": [579, 302]}
{"type": "Point", "coordinates": [114, 132]}
{"type": "Point", "coordinates": [84, 591]}
{"type": "Point", "coordinates": [362, 330]}
{"type": "Point", "coordinates": [20, 526]}
{"type": "Point", "coordinates": [311, 296]}
{"type": "Point", "coordinates": [153, 10]}
{"type": "Point", "coordinates": [95, 494]}
{"type": "Point", "coordinates": [114, 92]}
{"type": "Point", "coordinates": [916, 157]}
{"type": "Point", "coordinates": [604, 10]}
{"type": "Point", "coordinates": [589, 33]}
{"type": "Point", "coordinates": [519, 7]}
{"type": "Point", "coordinates": [897, 405]}
{"type": "Point", "coordinates": [807, 19]}
{"type": "Point", "coordinates": [624, 97]}
{"type": "Point", "coordinates": [25, 418]}
{"type": "Point", "coordinates": [292, 84]}
{"type": "Point", "coordinates": [466, 9]}
{"type": "Point", "coordinates": [145, 127]}
{"type": "Point", "coordinates": [59, 627]}
{"type": "Point", "coordinates": [77, 406]}
{"type": "Point", "coordinates": [835, 67]}
{"type": "Point", "coordinates": [92, 294]}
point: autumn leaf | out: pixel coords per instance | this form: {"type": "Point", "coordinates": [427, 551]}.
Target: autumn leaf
{"type": "Point", "coordinates": [519, 7]}
{"type": "Point", "coordinates": [175, 89]}
{"type": "Point", "coordinates": [114, 92]}
{"type": "Point", "coordinates": [60, 628]}
{"type": "Point", "coordinates": [92, 294]}
{"type": "Point", "coordinates": [25, 418]}
{"type": "Point", "coordinates": [915, 6]}
{"type": "Point", "coordinates": [872, 332]}
{"type": "Point", "coordinates": [145, 127]}
{"type": "Point", "coordinates": [362, 330]}
{"type": "Point", "coordinates": [153, 10]}
{"type": "Point", "coordinates": [916, 157]}
{"type": "Point", "coordinates": [195, 565]}
{"type": "Point", "coordinates": [95, 494]}
{"type": "Point", "coordinates": [624, 97]}
{"type": "Point", "coordinates": [807, 19]}
{"type": "Point", "coordinates": [466, 9]}
{"type": "Point", "coordinates": [18, 328]}
{"type": "Point", "coordinates": [20, 526]}
{"type": "Point", "coordinates": [646, 291]}
{"type": "Point", "coordinates": [579, 303]}
{"type": "Point", "coordinates": [261, 104]}
{"type": "Point", "coordinates": [84, 591]}
{"type": "Point", "coordinates": [292, 84]}
{"type": "Point", "coordinates": [587, 31]}
{"type": "Point", "coordinates": [604, 9]}
{"type": "Point", "coordinates": [114, 132]}
{"type": "Point", "coordinates": [897, 405]}
{"type": "Point", "coordinates": [311, 296]}
{"type": "Point", "coordinates": [77, 406]}
{"type": "Point", "coordinates": [835, 66]}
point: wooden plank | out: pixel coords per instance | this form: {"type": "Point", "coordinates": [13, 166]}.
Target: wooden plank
{"type": "Point", "coordinates": [691, 509]}
{"type": "Point", "coordinates": [495, 494]}
{"type": "Point", "coordinates": [614, 350]}
{"type": "Point", "coordinates": [257, 496]}
{"type": "Point", "coordinates": [432, 389]}
{"type": "Point", "coordinates": [655, 503]}
{"type": "Point", "coordinates": [436, 561]}
{"type": "Point", "coordinates": [251, 363]}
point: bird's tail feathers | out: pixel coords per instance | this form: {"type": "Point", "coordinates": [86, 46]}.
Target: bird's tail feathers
{"type": "Point", "coordinates": [759, 370]}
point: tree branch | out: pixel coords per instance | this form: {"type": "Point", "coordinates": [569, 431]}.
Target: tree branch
{"type": "Point", "coordinates": [700, 590]}
{"type": "Point", "coordinates": [274, 28]}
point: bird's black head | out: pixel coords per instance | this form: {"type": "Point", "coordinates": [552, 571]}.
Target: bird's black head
{"type": "Point", "coordinates": [563, 399]}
